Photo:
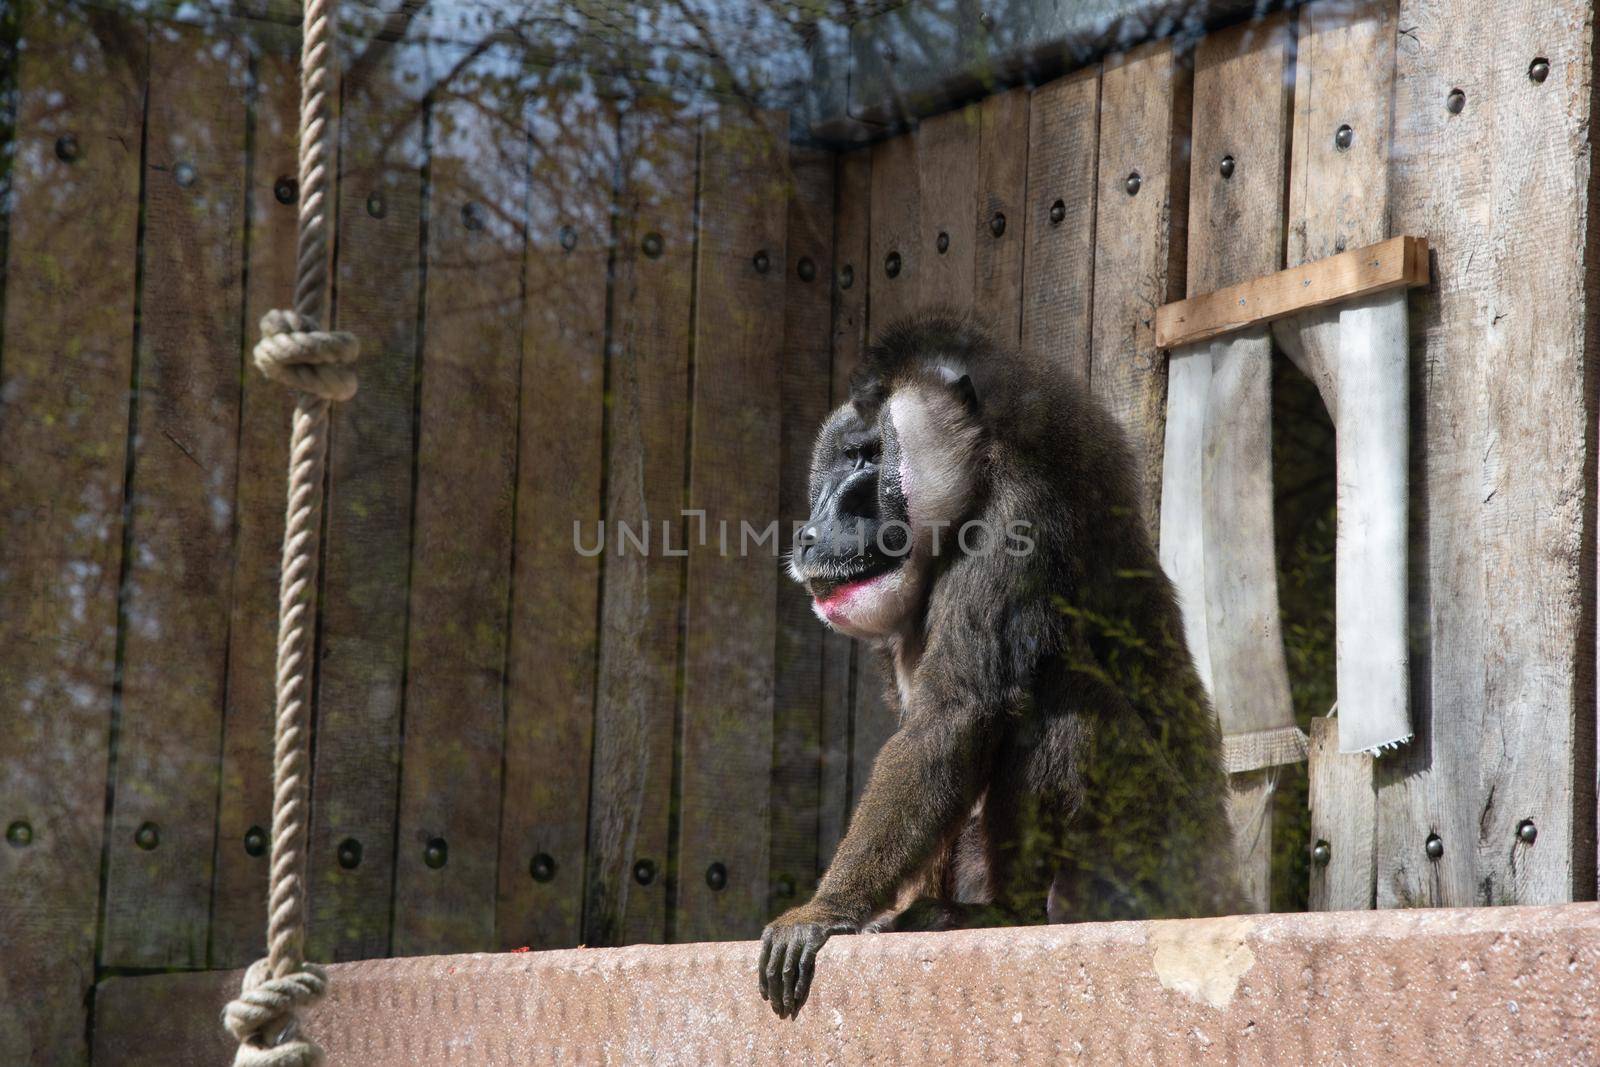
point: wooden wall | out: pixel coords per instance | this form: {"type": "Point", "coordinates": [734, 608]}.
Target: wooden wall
{"type": "Point", "coordinates": [578, 311]}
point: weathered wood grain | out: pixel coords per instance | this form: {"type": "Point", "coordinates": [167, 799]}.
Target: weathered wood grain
{"type": "Point", "coordinates": [730, 621]}
{"type": "Point", "coordinates": [946, 152]}
{"type": "Point", "coordinates": [177, 578]}
{"type": "Point", "coordinates": [1058, 265]}
{"type": "Point", "coordinates": [1344, 76]}
{"type": "Point", "coordinates": [1503, 500]}
{"type": "Point", "coordinates": [798, 669]}
{"type": "Point", "coordinates": [64, 371]}
{"type": "Point", "coordinates": [367, 547]}
{"type": "Point", "coordinates": [244, 815]}
{"type": "Point", "coordinates": [448, 839]}
{"type": "Point", "coordinates": [852, 236]}
{"type": "Point", "coordinates": [1236, 233]}
{"type": "Point", "coordinates": [896, 219]}
{"type": "Point", "coordinates": [1398, 263]}
{"type": "Point", "coordinates": [1001, 205]}
{"type": "Point", "coordinates": [1145, 97]}
{"type": "Point", "coordinates": [1343, 819]}
{"type": "Point", "coordinates": [631, 786]}
{"type": "Point", "coordinates": [555, 589]}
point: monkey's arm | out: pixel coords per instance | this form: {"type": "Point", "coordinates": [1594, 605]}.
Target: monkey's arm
{"type": "Point", "coordinates": [924, 782]}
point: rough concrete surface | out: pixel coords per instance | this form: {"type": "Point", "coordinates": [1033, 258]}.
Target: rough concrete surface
{"type": "Point", "coordinates": [1481, 986]}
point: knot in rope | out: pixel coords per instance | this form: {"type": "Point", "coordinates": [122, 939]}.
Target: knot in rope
{"type": "Point", "coordinates": [293, 351]}
{"type": "Point", "coordinates": [262, 1017]}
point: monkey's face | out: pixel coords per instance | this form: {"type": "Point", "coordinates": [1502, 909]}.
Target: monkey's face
{"type": "Point", "coordinates": [890, 481]}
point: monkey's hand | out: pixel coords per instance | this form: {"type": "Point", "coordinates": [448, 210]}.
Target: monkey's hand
{"type": "Point", "coordinates": [789, 948]}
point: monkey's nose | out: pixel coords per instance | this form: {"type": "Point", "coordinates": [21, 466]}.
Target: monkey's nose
{"type": "Point", "coordinates": [805, 539]}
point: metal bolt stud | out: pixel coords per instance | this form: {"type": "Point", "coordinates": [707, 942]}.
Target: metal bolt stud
{"type": "Point", "coordinates": [784, 888]}
{"type": "Point", "coordinates": [986, 20]}
{"type": "Point", "coordinates": [543, 867]}
{"type": "Point", "coordinates": [1058, 212]}
{"type": "Point", "coordinates": [472, 216]}
{"type": "Point", "coordinates": [806, 270]}
{"type": "Point", "coordinates": [184, 174]}
{"type": "Point", "coordinates": [286, 190]}
{"type": "Point", "coordinates": [652, 245]}
{"type": "Point", "coordinates": [644, 871]}
{"type": "Point", "coordinates": [436, 853]}
{"type": "Point", "coordinates": [1456, 102]}
{"type": "Point", "coordinates": [1225, 168]}
{"type": "Point", "coordinates": [997, 224]}
{"type": "Point", "coordinates": [147, 836]}
{"type": "Point", "coordinates": [67, 148]}
{"type": "Point", "coordinates": [19, 834]}
{"type": "Point", "coordinates": [942, 242]}
{"type": "Point", "coordinates": [717, 877]}
{"type": "Point", "coordinates": [569, 238]}
{"type": "Point", "coordinates": [255, 841]}
{"type": "Point", "coordinates": [1434, 847]}
{"type": "Point", "coordinates": [1343, 138]}
{"type": "Point", "coordinates": [1321, 853]}
{"type": "Point", "coordinates": [762, 261]}
{"type": "Point", "coordinates": [1132, 182]}
{"type": "Point", "coordinates": [847, 276]}
{"type": "Point", "coordinates": [349, 854]}
{"type": "Point", "coordinates": [891, 264]}
{"type": "Point", "coordinates": [1539, 69]}
{"type": "Point", "coordinates": [1527, 833]}
{"type": "Point", "coordinates": [375, 205]}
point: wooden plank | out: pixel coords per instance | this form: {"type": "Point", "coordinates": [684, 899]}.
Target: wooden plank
{"type": "Point", "coordinates": [1058, 264]}
{"type": "Point", "coordinates": [1503, 349]}
{"type": "Point", "coordinates": [1398, 263]}
{"type": "Point", "coordinates": [1338, 199]}
{"type": "Point", "coordinates": [1344, 76]}
{"type": "Point", "coordinates": [631, 785]}
{"type": "Point", "coordinates": [852, 236]}
{"type": "Point", "coordinates": [244, 816]}
{"type": "Point", "coordinates": [367, 547]}
{"type": "Point", "coordinates": [798, 679]}
{"type": "Point", "coordinates": [445, 869]}
{"type": "Point", "coordinates": [555, 589]}
{"type": "Point", "coordinates": [177, 581]}
{"type": "Point", "coordinates": [896, 217]}
{"type": "Point", "coordinates": [1002, 200]}
{"type": "Point", "coordinates": [1343, 818]}
{"type": "Point", "coordinates": [946, 151]}
{"type": "Point", "coordinates": [730, 622]}
{"type": "Point", "coordinates": [64, 373]}
{"type": "Point", "coordinates": [1236, 233]}
{"type": "Point", "coordinates": [1145, 99]}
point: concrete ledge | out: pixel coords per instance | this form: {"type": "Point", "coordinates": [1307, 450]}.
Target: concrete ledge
{"type": "Point", "coordinates": [1478, 986]}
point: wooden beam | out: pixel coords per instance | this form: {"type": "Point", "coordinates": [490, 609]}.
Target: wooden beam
{"type": "Point", "coordinates": [1398, 263]}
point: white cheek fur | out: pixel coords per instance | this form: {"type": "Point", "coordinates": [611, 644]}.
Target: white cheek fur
{"type": "Point", "coordinates": [937, 445]}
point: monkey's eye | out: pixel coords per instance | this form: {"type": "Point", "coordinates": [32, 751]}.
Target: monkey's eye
{"type": "Point", "coordinates": [859, 455]}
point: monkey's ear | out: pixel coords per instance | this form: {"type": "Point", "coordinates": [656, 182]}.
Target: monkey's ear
{"type": "Point", "coordinates": [963, 389]}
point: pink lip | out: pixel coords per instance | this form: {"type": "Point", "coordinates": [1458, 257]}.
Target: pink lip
{"type": "Point", "coordinates": [836, 599]}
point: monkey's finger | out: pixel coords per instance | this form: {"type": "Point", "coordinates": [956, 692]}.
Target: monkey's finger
{"type": "Point", "coordinates": [770, 977]}
{"type": "Point", "coordinates": [808, 967]}
{"type": "Point", "coordinates": [791, 975]}
{"type": "Point", "coordinates": [761, 965]}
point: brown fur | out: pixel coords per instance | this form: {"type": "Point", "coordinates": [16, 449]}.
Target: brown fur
{"type": "Point", "coordinates": [1057, 754]}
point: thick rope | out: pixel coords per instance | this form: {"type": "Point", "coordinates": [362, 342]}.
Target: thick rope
{"type": "Point", "coordinates": [295, 351]}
